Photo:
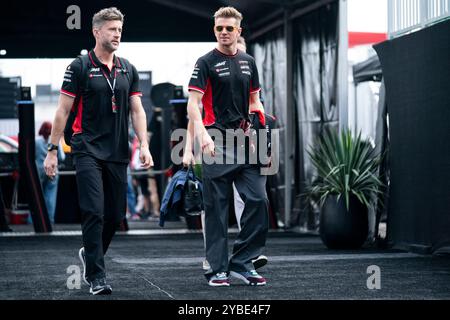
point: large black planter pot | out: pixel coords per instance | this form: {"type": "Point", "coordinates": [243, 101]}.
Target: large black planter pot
{"type": "Point", "coordinates": [342, 229]}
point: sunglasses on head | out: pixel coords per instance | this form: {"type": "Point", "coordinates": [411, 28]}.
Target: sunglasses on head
{"type": "Point", "coordinates": [228, 28]}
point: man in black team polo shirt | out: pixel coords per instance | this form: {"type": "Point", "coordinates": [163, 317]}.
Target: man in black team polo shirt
{"type": "Point", "coordinates": [103, 89]}
{"type": "Point", "coordinates": [225, 81]}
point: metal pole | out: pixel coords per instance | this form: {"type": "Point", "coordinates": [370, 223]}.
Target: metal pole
{"type": "Point", "coordinates": [342, 68]}
{"type": "Point", "coordinates": [423, 13]}
{"type": "Point", "coordinates": [150, 173]}
{"type": "Point", "coordinates": [356, 109]}
{"type": "Point", "coordinates": [288, 137]}
{"type": "Point", "coordinates": [390, 12]}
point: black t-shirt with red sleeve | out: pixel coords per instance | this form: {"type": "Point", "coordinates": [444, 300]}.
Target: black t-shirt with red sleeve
{"type": "Point", "coordinates": [99, 129]}
{"type": "Point", "coordinates": [226, 82]}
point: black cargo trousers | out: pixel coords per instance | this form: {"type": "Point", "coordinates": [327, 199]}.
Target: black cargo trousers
{"type": "Point", "coordinates": [217, 179]}
{"type": "Point", "coordinates": [102, 188]}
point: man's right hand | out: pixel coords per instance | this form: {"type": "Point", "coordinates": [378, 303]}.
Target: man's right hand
{"type": "Point", "coordinates": [208, 146]}
{"type": "Point", "coordinates": [188, 158]}
{"type": "Point", "coordinates": [51, 164]}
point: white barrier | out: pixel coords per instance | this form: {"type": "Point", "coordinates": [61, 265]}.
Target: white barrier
{"type": "Point", "coordinates": [405, 16]}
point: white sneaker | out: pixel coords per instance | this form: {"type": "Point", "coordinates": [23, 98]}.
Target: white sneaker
{"type": "Point", "coordinates": [251, 278]}
{"type": "Point", "coordinates": [206, 265]}
{"type": "Point", "coordinates": [219, 280]}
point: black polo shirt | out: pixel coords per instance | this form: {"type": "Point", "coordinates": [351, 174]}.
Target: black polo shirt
{"type": "Point", "coordinates": [98, 130]}
{"type": "Point", "coordinates": [226, 82]}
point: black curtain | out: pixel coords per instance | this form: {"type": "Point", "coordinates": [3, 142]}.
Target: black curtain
{"type": "Point", "coordinates": [315, 90]}
{"type": "Point", "coordinates": [269, 52]}
{"type": "Point", "coordinates": [416, 70]}
{"type": "Point", "coordinates": [315, 37]}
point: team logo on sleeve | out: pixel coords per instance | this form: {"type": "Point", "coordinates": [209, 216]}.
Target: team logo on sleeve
{"type": "Point", "coordinates": [245, 68]}
{"type": "Point", "coordinates": [195, 72]}
{"type": "Point", "coordinates": [68, 75]}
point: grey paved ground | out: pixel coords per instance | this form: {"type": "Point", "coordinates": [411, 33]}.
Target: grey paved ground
{"type": "Point", "coordinates": [166, 267]}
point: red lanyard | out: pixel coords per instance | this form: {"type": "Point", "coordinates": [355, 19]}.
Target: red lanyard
{"type": "Point", "coordinates": [114, 105]}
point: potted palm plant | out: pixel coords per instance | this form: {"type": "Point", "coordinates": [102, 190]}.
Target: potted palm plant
{"type": "Point", "coordinates": [346, 181]}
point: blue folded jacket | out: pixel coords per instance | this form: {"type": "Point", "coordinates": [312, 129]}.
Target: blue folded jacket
{"type": "Point", "coordinates": [172, 201]}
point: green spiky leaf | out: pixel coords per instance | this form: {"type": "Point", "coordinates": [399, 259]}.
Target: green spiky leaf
{"type": "Point", "coordinates": [346, 165]}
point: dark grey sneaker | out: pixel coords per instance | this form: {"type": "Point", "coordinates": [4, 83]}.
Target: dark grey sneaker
{"type": "Point", "coordinates": [83, 262]}
{"type": "Point", "coordinates": [259, 262]}
{"type": "Point", "coordinates": [99, 286]}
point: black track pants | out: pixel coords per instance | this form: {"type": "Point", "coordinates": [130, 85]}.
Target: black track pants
{"type": "Point", "coordinates": [217, 190]}
{"type": "Point", "coordinates": [102, 188]}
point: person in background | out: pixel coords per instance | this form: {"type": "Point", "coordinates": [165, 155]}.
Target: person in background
{"type": "Point", "coordinates": [241, 45]}
{"type": "Point", "coordinates": [143, 201]}
{"type": "Point", "coordinates": [3, 223]}
{"type": "Point", "coordinates": [131, 195]}
{"type": "Point", "coordinates": [49, 186]}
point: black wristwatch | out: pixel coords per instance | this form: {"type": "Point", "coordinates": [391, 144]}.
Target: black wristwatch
{"type": "Point", "coordinates": [52, 147]}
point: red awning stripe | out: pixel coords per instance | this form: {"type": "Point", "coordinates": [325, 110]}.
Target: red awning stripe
{"type": "Point", "coordinates": [361, 38]}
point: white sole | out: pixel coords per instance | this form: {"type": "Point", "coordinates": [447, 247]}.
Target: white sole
{"type": "Point", "coordinates": [212, 284]}
{"type": "Point", "coordinates": [102, 291]}
{"type": "Point", "coordinates": [241, 277]}
{"type": "Point", "coordinates": [84, 266]}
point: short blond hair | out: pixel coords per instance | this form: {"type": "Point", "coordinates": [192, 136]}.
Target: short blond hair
{"type": "Point", "coordinates": [107, 14]}
{"type": "Point", "coordinates": [228, 12]}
